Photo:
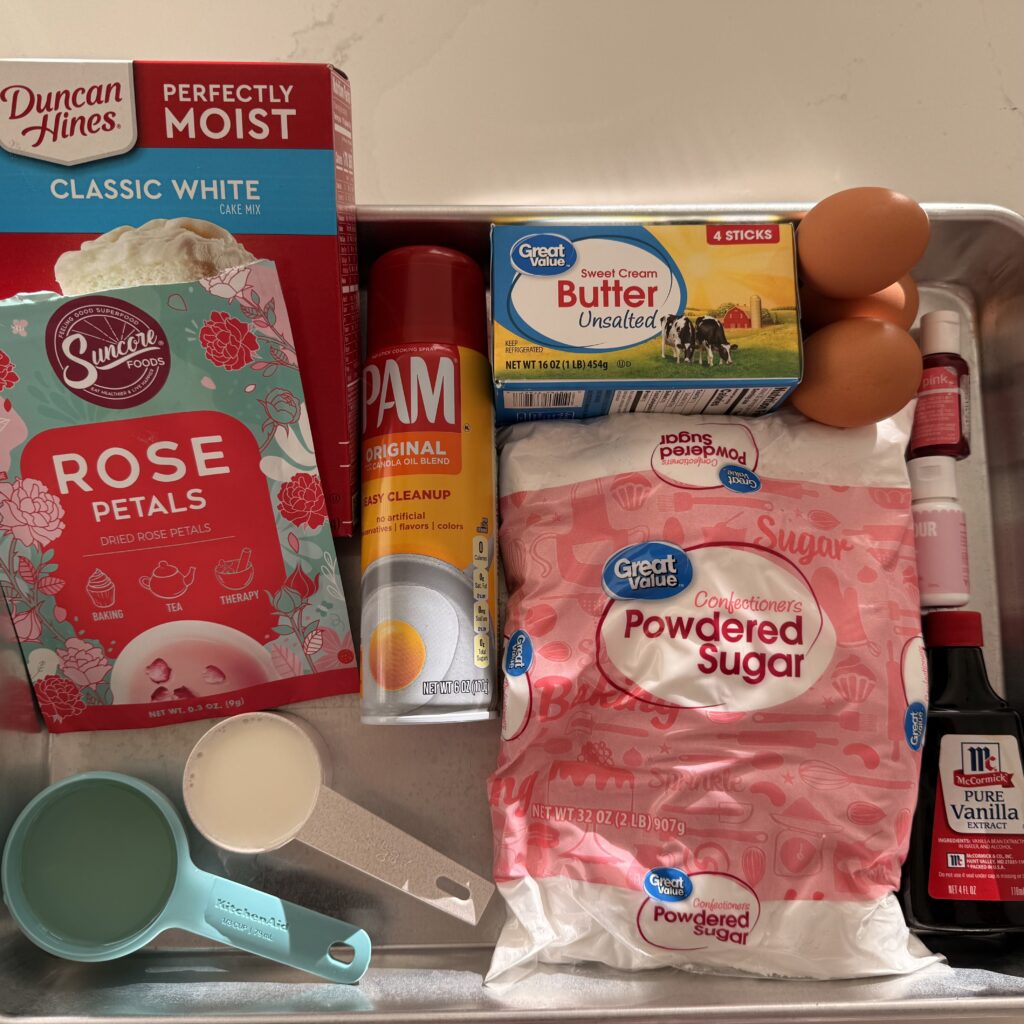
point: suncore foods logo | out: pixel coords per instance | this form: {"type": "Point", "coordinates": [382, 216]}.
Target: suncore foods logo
{"type": "Point", "coordinates": [543, 255]}
{"type": "Point", "coordinates": [980, 766]}
{"type": "Point", "coordinates": [67, 112]}
{"type": "Point", "coordinates": [107, 351]}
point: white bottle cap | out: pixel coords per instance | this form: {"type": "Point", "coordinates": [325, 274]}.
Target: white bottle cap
{"type": "Point", "coordinates": [940, 332]}
{"type": "Point", "coordinates": [934, 476]}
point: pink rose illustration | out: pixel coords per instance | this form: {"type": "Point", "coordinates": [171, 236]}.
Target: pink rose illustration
{"type": "Point", "coordinates": [83, 663]}
{"type": "Point", "coordinates": [228, 342]}
{"type": "Point", "coordinates": [301, 583]}
{"type": "Point", "coordinates": [19, 327]}
{"type": "Point", "coordinates": [281, 407]}
{"type": "Point", "coordinates": [8, 378]}
{"type": "Point", "coordinates": [334, 650]}
{"type": "Point", "coordinates": [12, 434]}
{"type": "Point", "coordinates": [58, 698]}
{"type": "Point", "coordinates": [30, 513]}
{"type": "Point", "coordinates": [301, 501]}
{"type": "Point", "coordinates": [28, 626]}
{"type": "Point", "coordinates": [228, 284]}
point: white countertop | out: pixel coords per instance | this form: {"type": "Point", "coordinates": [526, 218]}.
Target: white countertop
{"type": "Point", "coordinates": [620, 101]}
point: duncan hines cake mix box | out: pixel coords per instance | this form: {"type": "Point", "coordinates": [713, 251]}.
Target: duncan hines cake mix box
{"type": "Point", "coordinates": [164, 547]}
{"type": "Point", "coordinates": [688, 318]}
{"type": "Point", "coordinates": [118, 173]}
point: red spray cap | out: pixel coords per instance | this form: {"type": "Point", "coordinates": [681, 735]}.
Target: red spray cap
{"type": "Point", "coordinates": [952, 629]}
{"type": "Point", "coordinates": [425, 294]}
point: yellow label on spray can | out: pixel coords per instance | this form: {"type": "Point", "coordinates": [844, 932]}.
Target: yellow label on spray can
{"type": "Point", "coordinates": [429, 603]}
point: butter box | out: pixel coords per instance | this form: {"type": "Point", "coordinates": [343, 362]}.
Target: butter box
{"type": "Point", "coordinates": [616, 318]}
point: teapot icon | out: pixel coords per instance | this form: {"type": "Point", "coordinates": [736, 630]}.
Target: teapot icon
{"type": "Point", "coordinates": [167, 581]}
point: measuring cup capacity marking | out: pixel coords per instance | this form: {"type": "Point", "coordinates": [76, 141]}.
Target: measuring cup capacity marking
{"type": "Point", "coordinates": [256, 782]}
{"type": "Point", "coordinates": [98, 865]}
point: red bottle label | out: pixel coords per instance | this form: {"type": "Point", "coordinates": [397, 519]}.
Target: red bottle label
{"type": "Point", "coordinates": [978, 833]}
{"type": "Point", "coordinates": [938, 418]}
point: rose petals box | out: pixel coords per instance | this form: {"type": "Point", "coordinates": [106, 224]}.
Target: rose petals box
{"type": "Point", "coordinates": [165, 553]}
{"type": "Point", "coordinates": [118, 173]}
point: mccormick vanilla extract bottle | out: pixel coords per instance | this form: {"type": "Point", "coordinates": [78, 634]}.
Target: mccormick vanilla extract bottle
{"type": "Point", "coordinates": [428, 588]}
{"type": "Point", "coordinates": [965, 869]}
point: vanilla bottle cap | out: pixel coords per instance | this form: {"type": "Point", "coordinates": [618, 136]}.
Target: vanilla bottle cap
{"type": "Point", "coordinates": [940, 332]}
{"type": "Point", "coordinates": [933, 476]}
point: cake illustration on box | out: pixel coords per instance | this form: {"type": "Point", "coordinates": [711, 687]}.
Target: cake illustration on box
{"type": "Point", "coordinates": [101, 590]}
{"type": "Point", "coordinates": [165, 552]}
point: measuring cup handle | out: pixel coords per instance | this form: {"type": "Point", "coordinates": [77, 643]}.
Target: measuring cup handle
{"type": "Point", "coordinates": [273, 928]}
{"type": "Point", "coordinates": [350, 833]}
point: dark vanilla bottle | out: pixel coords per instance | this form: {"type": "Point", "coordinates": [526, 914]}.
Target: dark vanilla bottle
{"type": "Point", "coordinates": [965, 869]}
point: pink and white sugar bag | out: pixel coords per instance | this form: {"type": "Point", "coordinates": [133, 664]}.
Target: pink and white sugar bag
{"type": "Point", "coordinates": [715, 696]}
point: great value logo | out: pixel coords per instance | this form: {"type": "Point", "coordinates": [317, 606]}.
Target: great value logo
{"type": "Point", "coordinates": [599, 294]}
{"type": "Point", "coordinates": [543, 255]}
{"type": "Point", "coordinates": [518, 702]}
{"type": "Point", "coordinates": [518, 653]}
{"type": "Point", "coordinates": [668, 885]}
{"type": "Point", "coordinates": [651, 571]}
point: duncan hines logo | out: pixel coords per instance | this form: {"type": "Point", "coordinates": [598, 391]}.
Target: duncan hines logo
{"type": "Point", "coordinates": [108, 352]}
{"type": "Point", "coordinates": [66, 112]}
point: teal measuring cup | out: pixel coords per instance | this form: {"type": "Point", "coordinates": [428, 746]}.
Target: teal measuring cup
{"type": "Point", "coordinates": [98, 865]}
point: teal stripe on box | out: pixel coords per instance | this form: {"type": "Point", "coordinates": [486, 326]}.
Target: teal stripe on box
{"type": "Point", "coordinates": [247, 191]}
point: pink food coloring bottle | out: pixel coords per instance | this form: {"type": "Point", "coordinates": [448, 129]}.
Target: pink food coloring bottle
{"type": "Point", "coordinates": [942, 420]}
{"type": "Point", "coordinates": [940, 533]}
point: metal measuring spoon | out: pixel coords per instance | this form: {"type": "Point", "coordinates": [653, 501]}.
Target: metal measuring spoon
{"type": "Point", "coordinates": [256, 782]}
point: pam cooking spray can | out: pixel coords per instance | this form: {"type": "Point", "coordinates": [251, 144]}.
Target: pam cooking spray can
{"type": "Point", "coordinates": [428, 592]}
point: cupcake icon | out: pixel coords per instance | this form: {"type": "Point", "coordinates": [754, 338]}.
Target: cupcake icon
{"type": "Point", "coordinates": [101, 590]}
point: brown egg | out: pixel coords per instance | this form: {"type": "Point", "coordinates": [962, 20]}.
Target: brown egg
{"type": "Point", "coordinates": [857, 371]}
{"type": "Point", "coordinates": [897, 304]}
{"type": "Point", "coordinates": [859, 241]}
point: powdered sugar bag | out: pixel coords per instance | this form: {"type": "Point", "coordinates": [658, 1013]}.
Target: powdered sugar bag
{"type": "Point", "coordinates": [714, 699]}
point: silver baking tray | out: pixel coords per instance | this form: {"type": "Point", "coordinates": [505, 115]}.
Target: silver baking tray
{"type": "Point", "coordinates": [432, 781]}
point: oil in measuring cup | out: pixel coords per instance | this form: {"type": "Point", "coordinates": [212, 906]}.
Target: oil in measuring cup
{"type": "Point", "coordinates": [428, 587]}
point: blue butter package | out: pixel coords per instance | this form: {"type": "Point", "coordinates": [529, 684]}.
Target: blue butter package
{"type": "Point", "coordinates": [615, 318]}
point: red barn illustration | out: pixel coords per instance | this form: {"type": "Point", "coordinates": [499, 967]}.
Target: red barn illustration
{"type": "Point", "coordinates": [736, 318]}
